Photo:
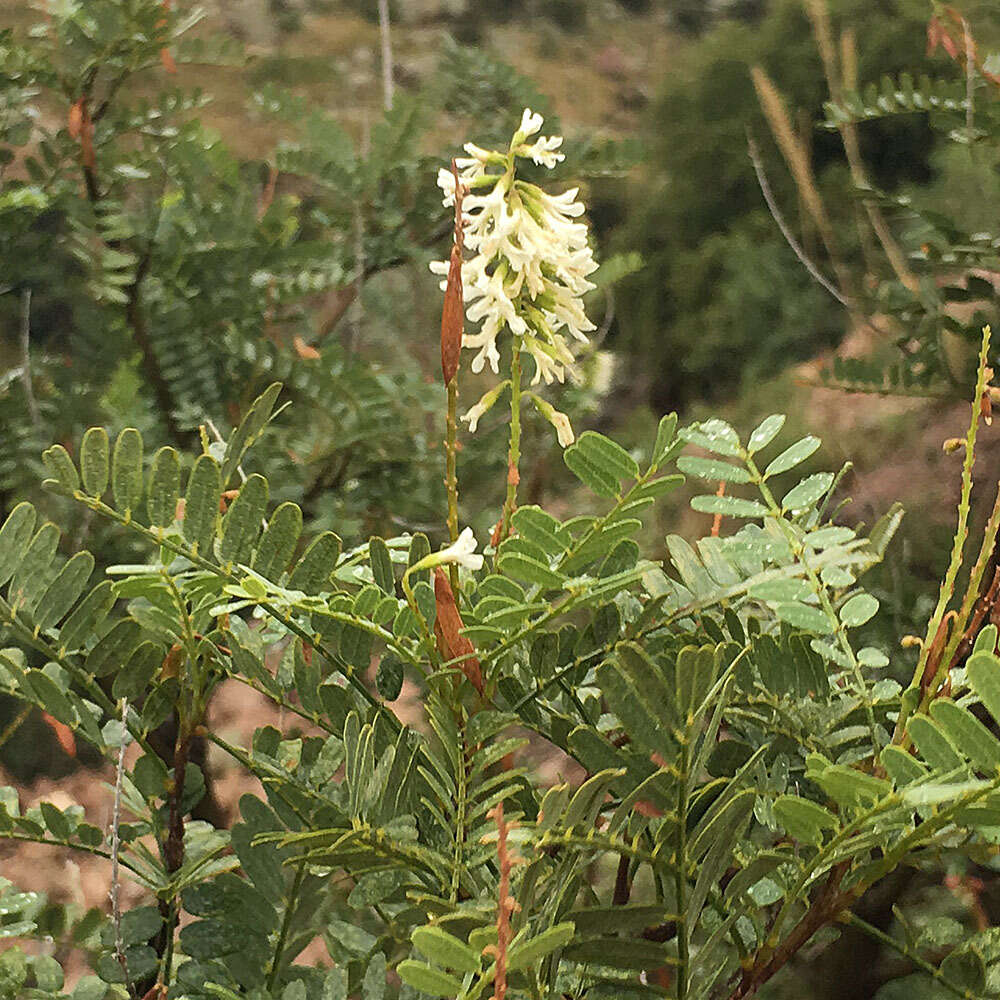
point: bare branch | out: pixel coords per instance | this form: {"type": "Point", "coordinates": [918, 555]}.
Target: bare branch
{"type": "Point", "coordinates": [29, 392]}
{"type": "Point", "coordinates": [383, 27]}
{"type": "Point", "coordinates": [772, 205]}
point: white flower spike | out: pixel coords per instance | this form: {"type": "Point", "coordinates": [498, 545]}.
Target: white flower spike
{"type": "Point", "coordinates": [531, 255]}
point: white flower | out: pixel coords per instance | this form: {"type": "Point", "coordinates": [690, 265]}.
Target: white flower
{"type": "Point", "coordinates": [462, 551]}
{"type": "Point", "coordinates": [531, 122]}
{"type": "Point", "coordinates": [543, 152]}
{"type": "Point", "coordinates": [531, 256]}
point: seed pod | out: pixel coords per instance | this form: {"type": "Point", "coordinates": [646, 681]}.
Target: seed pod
{"type": "Point", "coordinates": [448, 627]}
{"type": "Point", "coordinates": [453, 312]}
{"type": "Point", "coordinates": [74, 123]}
{"type": "Point", "coordinates": [452, 318]}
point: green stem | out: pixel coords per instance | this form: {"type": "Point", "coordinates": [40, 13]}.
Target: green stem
{"type": "Point", "coordinates": [15, 724]}
{"type": "Point", "coordinates": [514, 451]}
{"type": "Point", "coordinates": [286, 925]}
{"type": "Point", "coordinates": [96, 851]}
{"type": "Point", "coordinates": [85, 680]}
{"type": "Point", "coordinates": [958, 546]}
{"type": "Point", "coordinates": [680, 880]}
{"type": "Point", "coordinates": [837, 627]}
{"type": "Point", "coordinates": [890, 942]}
{"type": "Point", "coordinates": [462, 778]}
{"type": "Point", "coordinates": [167, 959]}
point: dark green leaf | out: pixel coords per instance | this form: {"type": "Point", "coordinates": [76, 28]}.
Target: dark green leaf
{"type": "Point", "coordinates": [61, 466]}
{"type": "Point", "coordinates": [164, 488]}
{"type": "Point", "coordinates": [381, 564]}
{"type": "Point", "coordinates": [312, 573]}
{"type": "Point", "coordinates": [278, 542]}
{"type": "Point", "coordinates": [14, 538]}
{"type": "Point", "coordinates": [126, 471]}
{"type": "Point", "coordinates": [427, 979]}
{"type": "Point", "coordinates": [201, 505]}
{"type": "Point", "coordinates": [242, 522]}
{"type": "Point", "coordinates": [95, 461]}
{"type": "Point", "coordinates": [62, 593]}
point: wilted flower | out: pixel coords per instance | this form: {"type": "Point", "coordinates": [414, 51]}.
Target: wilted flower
{"type": "Point", "coordinates": [485, 404]}
{"type": "Point", "coordinates": [531, 258]}
{"type": "Point", "coordinates": [559, 420]}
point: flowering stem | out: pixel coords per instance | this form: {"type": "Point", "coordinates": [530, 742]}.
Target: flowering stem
{"type": "Point", "coordinates": [514, 452]}
{"type": "Point", "coordinates": [451, 474]}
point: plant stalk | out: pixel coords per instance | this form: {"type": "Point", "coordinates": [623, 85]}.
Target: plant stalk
{"type": "Point", "coordinates": [514, 450]}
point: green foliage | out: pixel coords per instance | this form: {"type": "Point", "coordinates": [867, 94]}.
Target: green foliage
{"type": "Point", "coordinates": [722, 300]}
{"type": "Point", "coordinates": [747, 765]}
{"type": "Point", "coordinates": [725, 716]}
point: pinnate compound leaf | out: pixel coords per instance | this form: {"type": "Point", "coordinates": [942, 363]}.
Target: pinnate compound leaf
{"type": "Point", "coordinates": [249, 430]}
{"type": "Point", "coordinates": [665, 439]}
{"type": "Point", "coordinates": [715, 436]}
{"type": "Point", "coordinates": [87, 616]}
{"type": "Point", "coordinates": [728, 506]}
{"type": "Point", "coordinates": [593, 475]}
{"type": "Point", "coordinates": [805, 617]}
{"type": "Point", "coordinates": [62, 593]}
{"type": "Point", "coordinates": [381, 565]}
{"type": "Point", "coordinates": [968, 734]}
{"type": "Point", "coordinates": [859, 609]}
{"type": "Point", "coordinates": [523, 567]}
{"type": "Point", "coordinates": [631, 954]}
{"type": "Point", "coordinates": [527, 954]}
{"type": "Point", "coordinates": [807, 492]}
{"type": "Point", "coordinates": [138, 671]}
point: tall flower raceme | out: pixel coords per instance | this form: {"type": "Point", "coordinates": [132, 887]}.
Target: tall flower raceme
{"type": "Point", "coordinates": [530, 262]}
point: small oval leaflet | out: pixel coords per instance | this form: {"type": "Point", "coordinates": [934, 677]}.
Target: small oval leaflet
{"type": "Point", "coordinates": [765, 432]}
{"type": "Point", "coordinates": [94, 461]}
{"type": "Point", "coordinates": [807, 492]}
{"type": "Point", "coordinates": [858, 610]}
{"type": "Point", "coordinates": [792, 456]}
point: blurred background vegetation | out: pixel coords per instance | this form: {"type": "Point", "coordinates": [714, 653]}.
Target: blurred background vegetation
{"type": "Point", "coordinates": [192, 207]}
